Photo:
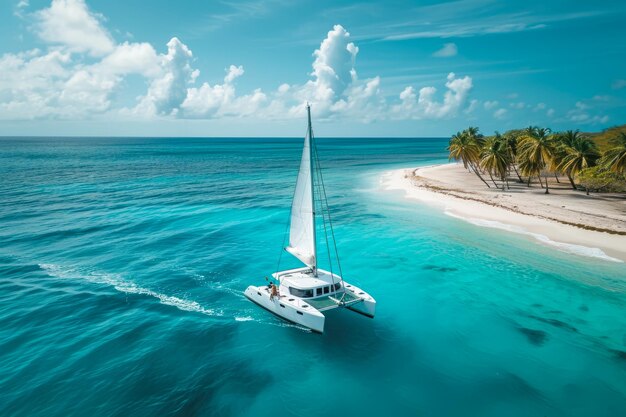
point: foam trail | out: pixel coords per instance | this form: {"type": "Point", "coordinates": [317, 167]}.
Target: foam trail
{"type": "Point", "coordinates": [562, 246]}
{"type": "Point", "coordinates": [127, 287]}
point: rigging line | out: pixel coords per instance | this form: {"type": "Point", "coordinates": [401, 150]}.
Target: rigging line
{"type": "Point", "coordinates": [325, 199]}
{"type": "Point", "coordinates": [330, 220]}
{"type": "Point", "coordinates": [330, 262]}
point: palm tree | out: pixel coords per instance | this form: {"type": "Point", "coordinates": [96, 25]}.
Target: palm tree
{"type": "Point", "coordinates": [575, 153]}
{"type": "Point", "coordinates": [536, 153]}
{"type": "Point", "coordinates": [615, 158]}
{"type": "Point", "coordinates": [495, 158]}
{"type": "Point", "coordinates": [464, 148]}
{"type": "Point", "coordinates": [511, 145]}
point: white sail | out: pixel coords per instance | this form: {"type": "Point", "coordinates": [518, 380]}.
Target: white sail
{"type": "Point", "coordinates": [302, 228]}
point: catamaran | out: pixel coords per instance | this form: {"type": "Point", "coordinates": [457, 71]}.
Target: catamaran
{"type": "Point", "coordinates": [303, 294]}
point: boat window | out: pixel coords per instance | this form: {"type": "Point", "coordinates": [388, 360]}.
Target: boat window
{"type": "Point", "coordinates": [337, 286]}
{"type": "Point", "coordinates": [318, 291]}
{"type": "Point", "coordinates": [326, 290]}
{"type": "Point", "coordinates": [301, 293]}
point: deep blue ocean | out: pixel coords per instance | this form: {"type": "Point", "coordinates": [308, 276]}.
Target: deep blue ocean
{"type": "Point", "coordinates": [123, 261]}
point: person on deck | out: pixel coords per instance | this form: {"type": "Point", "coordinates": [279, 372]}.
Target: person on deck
{"type": "Point", "coordinates": [273, 291]}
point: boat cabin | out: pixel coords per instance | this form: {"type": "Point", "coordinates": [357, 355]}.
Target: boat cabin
{"type": "Point", "coordinates": [303, 284]}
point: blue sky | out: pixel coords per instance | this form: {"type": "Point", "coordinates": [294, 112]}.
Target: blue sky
{"type": "Point", "coordinates": [227, 68]}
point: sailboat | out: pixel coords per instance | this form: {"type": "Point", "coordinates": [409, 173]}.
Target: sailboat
{"type": "Point", "coordinates": [304, 294]}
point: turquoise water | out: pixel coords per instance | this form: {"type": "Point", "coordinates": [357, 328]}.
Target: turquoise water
{"type": "Point", "coordinates": [123, 261]}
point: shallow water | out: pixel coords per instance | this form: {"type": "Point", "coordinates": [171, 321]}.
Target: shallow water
{"type": "Point", "coordinates": [123, 261]}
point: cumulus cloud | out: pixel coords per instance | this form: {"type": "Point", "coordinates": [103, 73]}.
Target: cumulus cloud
{"type": "Point", "coordinates": [168, 90]}
{"type": "Point", "coordinates": [500, 113]}
{"type": "Point", "coordinates": [31, 83]}
{"type": "Point", "coordinates": [70, 24]}
{"type": "Point", "coordinates": [221, 99]}
{"type": "Point", "coordinates": [78, 75]}
{"type": "Point", "coordinates": [20, 7]}
{"type": "Point", "coordinates": [333, 67]}
{"type": "Point", "coordinates": [618, 84]}
{"type": "Point", "coordinates": [424, 105]}
{"type": "Point", "coordinates": [490, 105]}
{"type": "Point", "coordinates": [581, 113]}
{"type": "Point", "coordinates": [448, 50]}
{"type": "Point", "coordinates": [473, 105]}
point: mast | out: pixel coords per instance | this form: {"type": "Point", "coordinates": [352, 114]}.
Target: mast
{"type": "Point", "coordinates": [302, 237]}
{"type": "Point", "coordinates": [308, 111]}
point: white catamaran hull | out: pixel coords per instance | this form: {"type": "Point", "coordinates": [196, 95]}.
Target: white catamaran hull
{"type": "Point", "coordinates": [289, 308]}
{"type": "Point", "coordinates": [308, 312]}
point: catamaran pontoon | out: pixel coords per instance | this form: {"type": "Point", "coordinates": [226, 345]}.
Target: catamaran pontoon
{"type": "Point", "coordinates": [305, 293]}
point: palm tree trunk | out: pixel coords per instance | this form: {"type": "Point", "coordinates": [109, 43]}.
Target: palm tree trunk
{"type": "Point", "coordinates": [571, 180]}
{"type": "Point", "coordinates": [557, 178]}
{"type": "Point", "coordinates": [547, 188]}
{"type": "Point", "coordinates": [479, 176]}
{"type": "Point", "coordinates": [540, 182]}
{"type": "Point", "coordinates": [494, 183]}
{"type": "Point", "coordinates": [529, 178]}
{"type": "Point", "coordinates": [517, 173]}
{"type": "Point", "coordinates": [507, 183]}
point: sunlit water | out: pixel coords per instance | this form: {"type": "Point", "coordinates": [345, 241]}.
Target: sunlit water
{"type": "Point", "coordinates": [123, 261]}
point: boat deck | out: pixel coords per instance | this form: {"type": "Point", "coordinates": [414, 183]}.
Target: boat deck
{"type": "Point", "coordinates": [327, 303]}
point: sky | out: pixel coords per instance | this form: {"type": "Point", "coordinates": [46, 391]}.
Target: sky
{"type": "Point", "coordinates": [247, 68]}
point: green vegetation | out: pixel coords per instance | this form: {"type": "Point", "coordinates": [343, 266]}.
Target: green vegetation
{"type": "Point", "coordinates": [595, 163]}
{"type": "Point", "coordinates": [603, 138]}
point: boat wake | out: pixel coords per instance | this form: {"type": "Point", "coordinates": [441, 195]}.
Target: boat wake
{"type": "Point", "coordinates": [127, 287]}
{"type": "Point", "coordinates": [562, 246]}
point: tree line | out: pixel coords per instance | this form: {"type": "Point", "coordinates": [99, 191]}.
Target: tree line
{"type": "Point", "coordinates": [535, 152]}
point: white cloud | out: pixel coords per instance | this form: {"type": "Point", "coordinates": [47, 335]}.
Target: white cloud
{"type": "Point", "coordinates": [539, 106]}
{"type": "Point", "coordinates": [490, 105]}
{"type": "Point", "coordinates": [581, 113]}
{"type": "Point", "coordinates": [221, 99]}
{"type": "Point", "coordinates": [70, 24]}
{"type": "Point", "coordinates": [448, 50]}
{"type": "Point", "coordinates": [550, 113]}
{"type": "Point", "coordinates": [473, 105]}
{"type": "Point", "coordinates": [518, 105]}
{"type": "Point", "coordinates": [131, 58]}
{"type": "Point", "coordinates": [233, 72]}
{"type": "Point", "coordinates": [500, 113]}
{"type": "Point", "coordinates": [55, 84]}
{"type": "Point", "coordinates": [618, 84]}
{"type": "Point", "coordinates": [168, 90]}
{"type": "Point", "coordinates": [20, 7]}
{"type": "Point", "coordinates": [31, 83]}
{"type": "Point", "coordinates": [425, 106]}
{"type": "Point", "coordinates": [333, 68]}
{"type": "Point", "coordinates": [77, 78]}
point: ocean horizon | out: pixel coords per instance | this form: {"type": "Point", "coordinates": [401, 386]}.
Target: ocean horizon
{"type": "Point", "coordinates": [123, 262]}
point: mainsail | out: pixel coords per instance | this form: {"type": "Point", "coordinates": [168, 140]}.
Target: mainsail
{"type": "Point", "coordinates": [302, 228]}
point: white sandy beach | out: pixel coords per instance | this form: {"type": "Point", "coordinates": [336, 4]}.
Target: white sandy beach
{"type": "Point", "coordinates": [593, 226]}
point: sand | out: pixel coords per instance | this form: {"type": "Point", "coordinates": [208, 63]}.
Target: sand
{"type": "Point", "coordinates": [592, 226]}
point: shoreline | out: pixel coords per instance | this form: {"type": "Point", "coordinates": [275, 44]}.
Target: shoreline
{"type": "Point", "coordinates": [592, 226]}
